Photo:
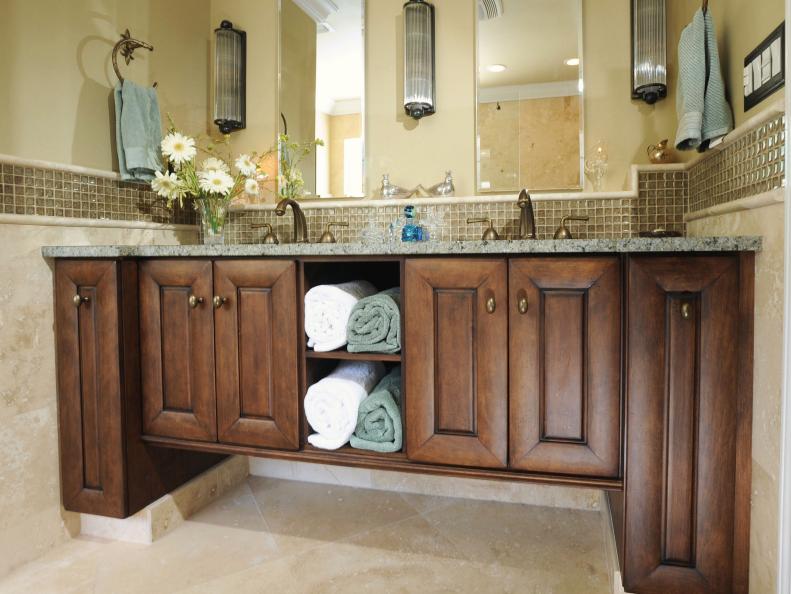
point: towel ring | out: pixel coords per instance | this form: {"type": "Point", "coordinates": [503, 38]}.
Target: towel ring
{"type": "Point", "coordinates": [127, 45]}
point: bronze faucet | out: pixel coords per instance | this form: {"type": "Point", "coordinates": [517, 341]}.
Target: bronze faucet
{"type": "Point", "coordinates": [527, 220]}
{"type": "Point", "coordinates": [300, 225]}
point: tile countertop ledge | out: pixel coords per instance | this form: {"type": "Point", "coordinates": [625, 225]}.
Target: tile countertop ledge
{"type": "Point", "coordinates": [571, 246]}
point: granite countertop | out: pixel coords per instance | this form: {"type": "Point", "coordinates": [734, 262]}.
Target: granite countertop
{"type": "Point", "coordinates": [570, 246]}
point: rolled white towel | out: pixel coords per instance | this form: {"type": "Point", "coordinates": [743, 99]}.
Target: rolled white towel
{"type": "Point", "coordinates": [331, 404]}
{"type": "Point", "coordinates": [327, 312]}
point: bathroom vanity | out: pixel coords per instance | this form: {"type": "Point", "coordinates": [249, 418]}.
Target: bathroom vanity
{"type": "Point", "coordinates": [624, 365]}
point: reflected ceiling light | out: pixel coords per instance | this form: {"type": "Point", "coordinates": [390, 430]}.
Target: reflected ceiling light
{"type": "Point", "coordinates": [496, 67]}
{"type": "Point", "coordinates": [572, 62]}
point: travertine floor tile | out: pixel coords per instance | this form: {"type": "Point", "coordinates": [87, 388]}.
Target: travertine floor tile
{"type": "Point", "coordinates": [272, 535]}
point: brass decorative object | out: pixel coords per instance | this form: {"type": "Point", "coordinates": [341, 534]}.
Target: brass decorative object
{"type": "Point", "coordinates": [659, 153]}
{"type": "Point", "coordinates": [327, 236]}
{"type": "Point", "coordinates": [563, 231]}
{"type": "Point", "coordinates": [270, 237]}
{"type": "Point", "coordinates": [527, 219]}
{"type": "Point", "coordinates": [418, 192]}
{"type": "Point", "coordinates": [490, 233]}
{"type": "Point", "coordinates": [127, 46]}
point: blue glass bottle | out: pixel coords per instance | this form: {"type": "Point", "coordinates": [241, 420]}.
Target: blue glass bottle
{"type": "Point", "coordinates": [411, 230]}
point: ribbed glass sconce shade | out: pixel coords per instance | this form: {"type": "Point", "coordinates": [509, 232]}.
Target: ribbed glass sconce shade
{"type": "Point", "coordinates": [229, 77]}
{"type": "Point", "coordinates": [419, 80]}
{"type": "Point", "coordinates": [649, 50]}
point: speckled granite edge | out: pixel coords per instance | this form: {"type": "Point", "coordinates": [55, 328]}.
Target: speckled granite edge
{"type": "Point", "coordinates": [572, 246]}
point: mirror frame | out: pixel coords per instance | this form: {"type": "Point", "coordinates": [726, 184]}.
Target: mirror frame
{"type": "Point", "coordinates": [477, 163]}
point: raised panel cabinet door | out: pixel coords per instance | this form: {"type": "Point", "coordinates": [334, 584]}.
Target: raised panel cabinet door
{"type": "Point", "coordinates": [456, 342]}
{"type": "Point", "coordinates": [683, 400]}
{"type": "Point", "coordinates": [256, 347]}
{"type": "Point", "coordinates": [177, 349]}
{"type": "Point", "coordinates": [565, 365]}
{"type": "Point", "coordinates": [89, 386]}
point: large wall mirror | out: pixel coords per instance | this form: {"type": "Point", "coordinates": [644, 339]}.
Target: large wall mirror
{"type": "Point", "coordinates": [322, 86]}
{"type": "Point", "coordinates": [530, 108]}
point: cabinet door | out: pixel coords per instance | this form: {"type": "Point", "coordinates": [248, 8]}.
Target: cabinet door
{"type": "Point", "coordinates": [89, 386]}
{"type": "Point", "coordinates": [456, 343]}
{"type": "Point", "coordinates": [177, 349]}
{"type": "Point", "coordinates": [565, 366]}
{"type": "Point", "coordinates": [682, 402]}
{"type": "Point", "coordinates": [256, 345]}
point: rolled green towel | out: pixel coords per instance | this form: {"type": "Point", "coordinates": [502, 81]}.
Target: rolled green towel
{"type": "Point", "coordinates": [379, 426]}
{"type": "Point", "coordinates": [375, 324]}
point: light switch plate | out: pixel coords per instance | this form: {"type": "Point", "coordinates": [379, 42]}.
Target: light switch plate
{"type": "Point", "coordinates": [764, 69]}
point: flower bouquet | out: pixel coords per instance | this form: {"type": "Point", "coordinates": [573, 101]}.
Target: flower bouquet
{"type": "Point", "coordinates": [212, 185]}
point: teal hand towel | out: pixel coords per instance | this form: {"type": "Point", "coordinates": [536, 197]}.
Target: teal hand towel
{"type": "Point", "coordinates": [375, 324]}
{"type": "Point", "coordinates": [379, 427]}
{"type": "Point", "coordinates": [703, 112]}
{"type": "Point", "coordinates": [138, 131]}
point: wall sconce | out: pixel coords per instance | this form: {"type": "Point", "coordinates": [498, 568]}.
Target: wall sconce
{"type": "Point", "coordinates": [649, 50]}
{"type": "Point", "coordinates": [419, 79]}
{"type": "Point", "coordinates": [230, 71]}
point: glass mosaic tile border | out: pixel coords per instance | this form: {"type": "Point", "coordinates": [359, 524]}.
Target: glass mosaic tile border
{"type": "Point", "coordinates": [58, 193]}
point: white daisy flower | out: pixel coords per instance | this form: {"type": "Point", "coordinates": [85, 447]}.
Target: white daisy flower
{"type": "Point", "coordinates": [246, 165]}
{"type": "Point", "coordinates": [166, 185]}
{"type": "Point", "coordinates": [215, 182]}
{"type": "Point", "coordinates": [215, 164]}
{"type": "Point", "coordinates": [178, 148]}
{"type": "Point", "coordinates": [251, 187]}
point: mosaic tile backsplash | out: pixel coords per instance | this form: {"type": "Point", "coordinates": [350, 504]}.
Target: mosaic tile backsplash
{"type": "Point", "coordinates": [752, 164]}
{"type": "Point", "coordinates": [59, 193]}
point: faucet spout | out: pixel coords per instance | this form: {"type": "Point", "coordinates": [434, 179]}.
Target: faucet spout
{"type": "Point", "coordinates": [527, 220]}
{"type": "Point", "coordinates": [300, 224]}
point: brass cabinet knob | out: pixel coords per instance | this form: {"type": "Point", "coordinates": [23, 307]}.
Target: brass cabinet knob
{"type": "Point", "coordinates": [219, 301]}
{"type": "Point", "coordinates": [522, 305]}
{"type": "Point", "coordinates": [78, 300]}
{"type": "Point", "coordinates": [195, 301]}
{"type": "Point", "coordinates": [686, 310]}
{"type": "Point", "coordinates": [491, 305]}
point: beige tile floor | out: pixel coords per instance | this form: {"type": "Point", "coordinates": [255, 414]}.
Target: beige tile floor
{"type": "Point", "coordinates": [277, 536]}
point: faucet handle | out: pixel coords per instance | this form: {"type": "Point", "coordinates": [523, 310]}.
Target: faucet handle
{"type": "Point", "coordinates": [270, 237]}
{"type": "Point", "coordinates": [327, 236]}
{"type": "Point", "coordinates": [563, 231]}
{"type": "Point", "coordinates": [490, 234]}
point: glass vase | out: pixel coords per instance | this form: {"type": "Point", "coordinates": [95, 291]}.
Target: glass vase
{"type": "Point", "coordinates": [213, 213]}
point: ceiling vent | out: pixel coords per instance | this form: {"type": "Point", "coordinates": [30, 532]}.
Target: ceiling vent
{"type": "Point", "coordinates": [489, 9]}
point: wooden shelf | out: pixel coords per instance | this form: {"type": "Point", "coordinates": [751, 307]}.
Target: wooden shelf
{"type": "Point", "coordinates": [343, 355]}
{"type": "Point", "coordinates": [353, 453]}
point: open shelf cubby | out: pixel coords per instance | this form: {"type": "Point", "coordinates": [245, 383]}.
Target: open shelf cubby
{"type": "Point", "coordinates": [344, 355]}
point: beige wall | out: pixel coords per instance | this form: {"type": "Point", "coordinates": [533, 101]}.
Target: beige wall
{"type": "Point", "coordinates": [419, 152]}
{"type": "Point", "coordinates": [767, 383]}
{"type": "Point", "coordinates": [56, 94]}
{"type": "Point", "coordinates": [31, 518]}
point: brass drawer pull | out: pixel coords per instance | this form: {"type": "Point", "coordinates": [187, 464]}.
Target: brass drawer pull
{"type": "Point", "coordinates": [78, 300]}
{"type": "Point", "coordinates": [522, 305]}
{"type": "Point", "coordinates": [491, 305]}
{"type": "Point", "coordinates": [219, 301]}
{"type": "Point", "coordinates": [195, 301]}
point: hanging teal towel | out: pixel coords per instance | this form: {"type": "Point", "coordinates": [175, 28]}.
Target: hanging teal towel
{"type": "Point", "coordinates": [138, 131]}
{"type": "Point", "coordinates": [379, 427]}
{"type": "Point", "coordinates": [704, 114]}
{"type": "Point", "coordinates": [375, 324]}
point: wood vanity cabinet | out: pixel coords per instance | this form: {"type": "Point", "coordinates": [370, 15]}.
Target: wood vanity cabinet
{"type": "Point", "coordinates": [565, 365]}
{"type": "Point", "coordinates": [105, 467]}
{"type": "Point", "coordinates": [456, 340]}
{"type": "Point", "coordinates": [219, 351]}
{"type": "Point", "coordinates": [682, 523]}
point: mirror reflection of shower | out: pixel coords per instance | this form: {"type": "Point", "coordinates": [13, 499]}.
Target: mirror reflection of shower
{"type": "Point", "coordinates": [322, 84]}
